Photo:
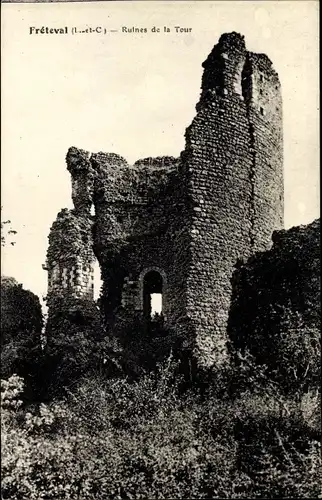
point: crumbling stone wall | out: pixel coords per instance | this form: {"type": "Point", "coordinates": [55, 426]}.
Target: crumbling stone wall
{"type": "Point", "coordinates": [262, 93]}
{"type": "Point", "coordinates": [275, 307]}
{"type": "Point", "coordinates": [233, 160]}
{"type": "Point", "coordinates": [70, 257]}
{"type": "Point", "coordinates": [189, 218]}
{"type": "Point", "coordinates": [130, 231]}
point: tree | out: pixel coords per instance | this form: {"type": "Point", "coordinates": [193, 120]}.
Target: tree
{"type": "Point", "coordinates": [21, 325]}
{"type": "Point", "coordinates": [7, 233]}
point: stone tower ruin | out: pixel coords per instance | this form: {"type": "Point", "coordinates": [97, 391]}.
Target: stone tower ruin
{"type": "Point", "coordinates": [178, 226]}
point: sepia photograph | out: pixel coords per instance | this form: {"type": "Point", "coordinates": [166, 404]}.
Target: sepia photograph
{"type": "Point", "coordinates": [160, 250]}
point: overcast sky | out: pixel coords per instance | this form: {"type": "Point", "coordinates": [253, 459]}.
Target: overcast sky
{"type": "Point", "coordinates": [134, 94]}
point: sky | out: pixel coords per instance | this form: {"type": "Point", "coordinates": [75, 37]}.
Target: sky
{"type": "Point", "coordinates": [135, 94]}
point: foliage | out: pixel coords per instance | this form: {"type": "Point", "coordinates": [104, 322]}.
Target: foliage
{"type": "Point", "coordinates": [76, 343]}
{"type": "Point", "coordinates": [21, 326]}
{"type": "Point", "coordinates": [291, 351]}
{"type": "Point", "coordinates": [20, 311]}
{"type": "Point", "coordinates": [298, 354]}
{"type": "Point", "coordinates": [275, 310]}
{"type": "Point", "coordinates": [7, 233]}
{"type": "Point", "coordinates": [115, 439]}
{"type": "Point", "coordinates": [144, 344]}
{"type": "Point", "coordinates": [70, 235]}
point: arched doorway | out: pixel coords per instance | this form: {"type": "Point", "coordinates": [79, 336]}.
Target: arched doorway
{"type": "Point", "coordinates": [152, 294]}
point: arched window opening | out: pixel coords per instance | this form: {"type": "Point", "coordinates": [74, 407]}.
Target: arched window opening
{"type": "Point", "coordinates": [152, 295]}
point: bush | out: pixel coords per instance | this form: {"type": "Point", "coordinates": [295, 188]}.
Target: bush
{"type": "Point", "coordinates": [76, 344]}
{"type": "Point", "coordinates": [20, 311]}
{"type": "Point", "coordinates": [21, 326]}
{"type": "Point", "coordinates": [146, 439]}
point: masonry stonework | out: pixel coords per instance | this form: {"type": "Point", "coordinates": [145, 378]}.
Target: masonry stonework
{"type": "Point", "coordinates": [187, 220]}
